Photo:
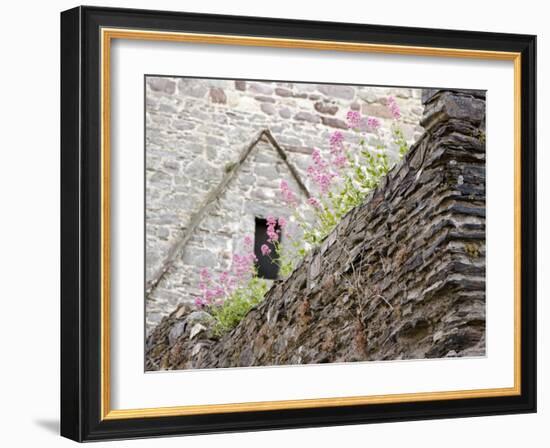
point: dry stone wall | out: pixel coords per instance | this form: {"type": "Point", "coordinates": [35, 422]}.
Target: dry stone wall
{"type": "Point", "coordinates": [401, 277]}
{"type": "Point", "coordinates": [195, 131]}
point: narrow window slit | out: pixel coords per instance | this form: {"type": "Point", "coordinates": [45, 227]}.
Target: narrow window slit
{"type": "Point", "coordinates": [267, 265]}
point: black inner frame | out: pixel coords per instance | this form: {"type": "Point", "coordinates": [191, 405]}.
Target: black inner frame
{"type": "Point", "coordinates": [81, 221]}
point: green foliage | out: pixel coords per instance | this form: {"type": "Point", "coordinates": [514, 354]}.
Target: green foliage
{"type": "Point", "coordinates": [362, 175]}
{"type": "Point", "coordinates": [399, 140]}
{"type": "Point", "coordinates": [286, 262]}
{"type": "Point", "coordinates": [237, 305]}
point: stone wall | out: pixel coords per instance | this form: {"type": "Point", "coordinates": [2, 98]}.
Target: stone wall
{"type": "Point", "coordinates": [195, 131]}
{"type": "Point", "coordinates": [401, 277]}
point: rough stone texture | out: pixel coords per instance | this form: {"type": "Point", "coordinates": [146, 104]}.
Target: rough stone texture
{"type": "Point", "coordinates": [325, 108]}
{"type": "Point", "coordinates": [334, 122]}
{"type": "Point", "coordinates": [401, 277]}
{"type": "Point", "coordinates": [460, 105]}
{"type": "Point", "coordinates": [217, 95]}
{"type": "Point", "coordinates": [196, 129]}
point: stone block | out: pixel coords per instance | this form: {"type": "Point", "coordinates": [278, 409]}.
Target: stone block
{"type": "Point", "coordinates": [265, 99]}
{"type": "Point", "coordinates": [262, 88]}
{"type": "Point", "coordinates": [337, 91]}
{"type": "Point", "coordinates": [285, 112]}
{"type": "Point", "coordinates": [326, 108]}
{"type": "Point", "coordinates": [217, 95]}
{"type": "Point", "coordinates": [192, 88]}
{"type": "Point", "coordinates": [268, 108]}
{"type": "Point", "coordinates": [334, 122]}
{"type": "Point", "coordinates": [307, 116]}
{"type": "Point", "coordinates": [159, 84]}
{"type": "Point", "coordinates": [376, 110]}
{"type": "Point", "coordinates": [283, 92]}
{"type": "Point", "coordinates": [240, 85]}
{"type": "Point", "coordinates": [183, 125]}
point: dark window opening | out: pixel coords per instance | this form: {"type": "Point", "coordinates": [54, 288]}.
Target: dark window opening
{"type": "Point", "coordinates": [267, 265]}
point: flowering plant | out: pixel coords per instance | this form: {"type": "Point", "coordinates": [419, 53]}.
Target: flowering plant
{"type": "Point", "coordinates": [342, 179]}
{"type": "Point", "coordinates": [232, 294]}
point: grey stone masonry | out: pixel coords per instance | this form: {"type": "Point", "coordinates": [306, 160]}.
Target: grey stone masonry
{"type": "Point", "coordinates": [401, 277]}
{"type": "Point", "coordinates": [195, 131]}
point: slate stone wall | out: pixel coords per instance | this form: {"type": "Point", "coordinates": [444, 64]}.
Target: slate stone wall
{"type": "Point", "coordinates": [401, 277]}
{"type": "Point", "coordinates": [195, 131]}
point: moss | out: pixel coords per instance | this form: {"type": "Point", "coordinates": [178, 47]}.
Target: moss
{"type": "Point", "coordinates": [481, 137]}
{"type": "Point", "coordinates": [229, 166]}
{"type": "Point", "coordinates": [472, 249]}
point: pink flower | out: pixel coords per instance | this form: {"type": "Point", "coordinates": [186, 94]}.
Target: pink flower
{"type": "Point", "coordinates": [243, 264]}
{"type": "Point", "coordinates": [324, 181]}
{"type": "Point", "coordinates": [373, 123]}
{"type": "Point", "coordinates": [210, 295]}
{"type": "Point", "coordinates": [353, 118]}
{"type": "Point", "coordinates": [337, 150]}
{"type": "Point", "coordinates": [214, 292]}
{"type": "Point", "coordinates": [288, 195]}
{"type": "Point", "coordinates": [248, 240]}
{"type": "Point", "coordinates": [272, 233]}
{"type": "Point", "coordinates": [336, 142]}
{"type": "Point", "coordinates": [320, 172]}
{"type": "Point", "coordinates": [282, 222]}
{"type": "Point", "coordinates": [204, 274]}
{"type": "Point", "coordinates": [314, 202]}
{"type": "Point", "coordinates": [340, 161]}
{"type": "Point", "coordinates": [224, 277]}
{"type": "Point", "coordinates": [317, 159]}
{"type": "Point", "coordinates": [394, 107]}
{"type": "Point", "coordinates": [265, 249]}
{"type": "Point", "coordinates": [230, 285]}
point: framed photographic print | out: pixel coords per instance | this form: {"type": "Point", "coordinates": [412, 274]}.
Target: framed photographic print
{"type": "Point", "coordinates": [273, 223]}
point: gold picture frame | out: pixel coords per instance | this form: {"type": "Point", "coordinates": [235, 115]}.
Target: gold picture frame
{"type": "Point", "coordinates": [106, 31]}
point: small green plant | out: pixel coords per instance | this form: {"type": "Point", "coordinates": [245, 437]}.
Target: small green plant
{"type": "Point", "coordinates": [399, 140]}
{"type": "Point", "coordinates": [230, 295]}
{"type": "Point", "coordinates": [237, 305]}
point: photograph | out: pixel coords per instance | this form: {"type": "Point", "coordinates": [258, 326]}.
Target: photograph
{"type": "Point", "coordinates": [291, 223]}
